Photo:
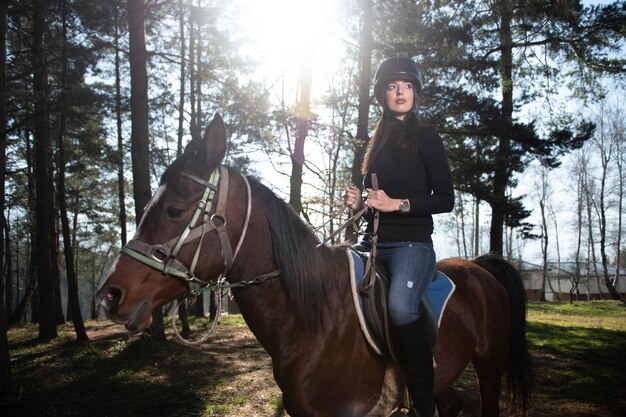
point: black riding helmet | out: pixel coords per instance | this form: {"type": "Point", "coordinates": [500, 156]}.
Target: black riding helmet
{"type": "Point", "coordinates": [398, 68]}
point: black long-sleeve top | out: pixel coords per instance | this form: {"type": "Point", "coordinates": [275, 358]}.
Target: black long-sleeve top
{"type": "Point", "coordinates": [411, 164]}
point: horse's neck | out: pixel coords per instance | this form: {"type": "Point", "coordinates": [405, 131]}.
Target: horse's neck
{"type": "Point", "coordinates": [301, 359]}
{"type": "Point", "coordinates": [267, 309]}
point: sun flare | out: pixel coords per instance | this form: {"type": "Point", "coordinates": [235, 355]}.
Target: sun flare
{"type": "Point", "coordinates": [283, 34]}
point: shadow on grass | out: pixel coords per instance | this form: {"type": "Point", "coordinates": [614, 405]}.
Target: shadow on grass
{"type": "Point", "coordinates": [583, 365]}
{"type": "Point", "coordinates": [114, 376]}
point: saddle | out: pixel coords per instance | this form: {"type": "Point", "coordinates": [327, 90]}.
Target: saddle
{"type": "Point", "coordinates": [370, 299]}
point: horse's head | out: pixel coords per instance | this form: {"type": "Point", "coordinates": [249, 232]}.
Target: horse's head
{"type": "Point", "coordinates": [182, 235]}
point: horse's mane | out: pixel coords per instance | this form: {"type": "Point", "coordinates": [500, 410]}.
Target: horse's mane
{"type": "Point", "coordinates": [295, 252]}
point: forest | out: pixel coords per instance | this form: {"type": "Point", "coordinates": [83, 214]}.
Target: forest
{"type": "Point", "coordinates": [98, 98]}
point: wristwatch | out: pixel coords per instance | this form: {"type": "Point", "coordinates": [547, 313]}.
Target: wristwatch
{"type": "Point", "coordinates": [404, 206]}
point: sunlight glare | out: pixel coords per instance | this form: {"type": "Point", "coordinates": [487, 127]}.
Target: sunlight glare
{"type": "Point", "coordinates": [285, 32]}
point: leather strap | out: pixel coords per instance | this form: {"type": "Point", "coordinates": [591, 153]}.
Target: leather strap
{"type": "Point", "coordinates": [370, 268]}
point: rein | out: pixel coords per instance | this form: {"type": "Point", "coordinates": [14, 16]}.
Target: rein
{"type": "Point", "coordinates": [163, 257]}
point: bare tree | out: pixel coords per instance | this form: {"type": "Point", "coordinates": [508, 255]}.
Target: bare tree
{"type": "Point", "coordinates": [619, 127]}
{"type": "Point", "coordinates": [553, 217]}
{"type": "Point", "coordinates": [605, 143]}
{"type": "Point", "coordinates": [579, 172]}
{"type": "Point", "coordinates": [459, 210]}
{"type": "Point", "coordinates": [592, 260]}
{"type": "Point", "coordinates": [543, 191]}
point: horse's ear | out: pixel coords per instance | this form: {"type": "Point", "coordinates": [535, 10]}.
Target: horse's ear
{"type": "Point", "coordinates": [192, 146]}
{"type": "Point", "coordinates": [213, 146]}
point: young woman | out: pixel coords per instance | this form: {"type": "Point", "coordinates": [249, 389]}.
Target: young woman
{"type": "Point", "coordinates": [414, 183]}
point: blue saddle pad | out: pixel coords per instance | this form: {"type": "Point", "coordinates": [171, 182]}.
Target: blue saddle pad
{"type": "Point", "coordinates": [439, 291]}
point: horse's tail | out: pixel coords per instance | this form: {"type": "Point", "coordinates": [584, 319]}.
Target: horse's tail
{"type": "Point", "coordinates": [520, 375]}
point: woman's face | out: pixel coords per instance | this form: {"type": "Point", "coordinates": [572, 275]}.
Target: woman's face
{"type": "Point", "coordinates": [399, 98]}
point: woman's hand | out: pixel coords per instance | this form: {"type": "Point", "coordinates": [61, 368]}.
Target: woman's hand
{"type": "Point", "coordinates": [352, 198]}
{"type": "Point", "coordinates": [379, 200]}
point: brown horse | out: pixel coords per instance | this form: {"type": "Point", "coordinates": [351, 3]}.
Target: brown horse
{"type": "Point", "coordinates": [295, 296]}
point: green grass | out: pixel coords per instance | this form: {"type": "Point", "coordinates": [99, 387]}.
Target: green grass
{"type": "Point", "coordinates": [590, 314]}
{"type": "Point", "coordinates": [579, 353]}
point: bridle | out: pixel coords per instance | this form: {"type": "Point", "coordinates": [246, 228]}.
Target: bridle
{"type": "Point", "coordinates": [205, 219]}
{"type": "Point", "coordinates": [164, 257]}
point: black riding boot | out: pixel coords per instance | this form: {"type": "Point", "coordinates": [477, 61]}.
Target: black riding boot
{"type": "Point", "coordinates": [414, 354]}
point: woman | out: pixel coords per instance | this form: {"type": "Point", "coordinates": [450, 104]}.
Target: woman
{"type": "Point", "coordinates": [414, 182]}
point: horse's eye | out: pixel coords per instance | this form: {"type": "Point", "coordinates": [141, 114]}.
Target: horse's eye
{"type": "Point", "coordinates": [175, 212]}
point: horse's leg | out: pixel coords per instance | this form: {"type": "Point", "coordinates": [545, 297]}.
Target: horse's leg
{"type": "Point", "coordinates": [489, 374]}
{"type": "Point", "coordinates": [448, 403]}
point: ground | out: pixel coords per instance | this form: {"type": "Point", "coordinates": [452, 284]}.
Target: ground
{"type": "Point", "coordinates": [250, 390]}
{"type": "Point", "coordinates": [579, 365]}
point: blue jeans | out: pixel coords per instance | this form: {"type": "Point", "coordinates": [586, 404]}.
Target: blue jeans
{"type": "Point", "coordinates": [411, 268]}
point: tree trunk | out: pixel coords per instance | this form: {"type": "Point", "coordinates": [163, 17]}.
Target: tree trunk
{"type": "Point", "coordinates": [6, 377]}
{"type": "Point", "coordinates": [605, 156]}
{"type": "Point", "coordinates": [54, 247]}
{"type": "Point", "coordinates": [590, 240]}
{"type": "Point", "coordinates": [72, 280]}
{"type": "Point", "coordinates": [620, 201]}
{"type": "Point", "coordinates": [140, 129]}
{"type": "Point", "coordinates": [501, 174]}
{"type": "Point", "coordinates": [121, 191]}
{"type": "Point", "coordinates": [459, 208]}
{"type": "Point", "coordinates": [544, 247]}
{"type": "Point", "coordinates": [47, 319]}
{"type": "Point", "coordinates": [6, 264]}
{"type": "Point", "coordinates": [476, 226]}
{"type": "Point", "coordinates": [194, 128]}
{"type": "Point", "coordinates": [366, 45]}
{"type": "Point", "coordinates": [199, 76]}
{"type": "Point", "coordinates": [303, 118]}
{"type": "Point", "coordinates": [139, 106]}
{"type": "Point", "coordinates": [31, 277]}
{"type": "Point", "coordinates": [183, 309]}
{"type": "Point", "coordinates": [181, 99]}
{"type": "Point", "coordinates": [558, 254]}
{"type": "Point", "coordinates": [579, 234]}
{"type": "Point", "coordinates": [4, 278]}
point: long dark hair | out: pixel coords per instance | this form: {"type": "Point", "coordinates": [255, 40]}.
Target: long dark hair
{"type": "Point", "coordinates": [408, 141]}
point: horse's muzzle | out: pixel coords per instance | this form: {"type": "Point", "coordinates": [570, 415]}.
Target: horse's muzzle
{"type": "Point", "coordinates": [134, 320]}
{"type": "Point", "coordinates": [109, 298]}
